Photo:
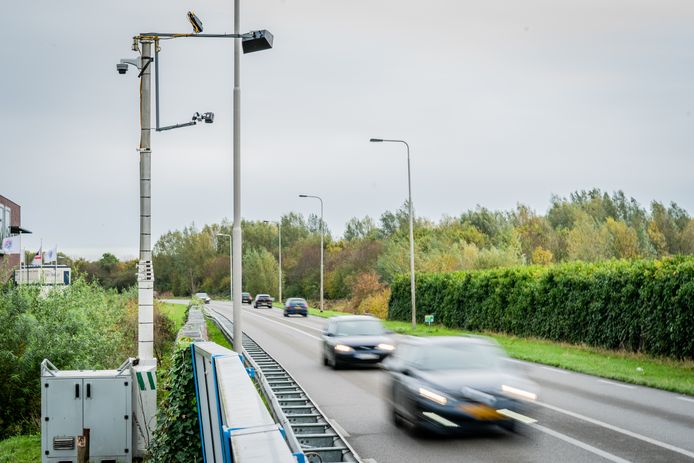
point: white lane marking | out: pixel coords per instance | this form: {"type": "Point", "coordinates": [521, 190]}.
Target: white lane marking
{"type": "Point", "coordinates": [440, 419]}
{"type": "Point", "coordinates": [555, 370]}
{"type": "Point", "coordinates": [369, 460]}
{"type": "Point", "coordinates": [580, 444]}
{"type": "Point", "coordinates": [285, 325]}
{"type": "Point", "coordinates": [338, 428]}
{"type": "Point", "coordinates": [612, 383]}
{"type": "Point", "coordinates": [618, 429]}
{"type": "Point", "coordinates": [686, 399]}
{"type": "Point", "coordinates": [292, 323]}
{"type": "Point", "coordinates": [517, 416]}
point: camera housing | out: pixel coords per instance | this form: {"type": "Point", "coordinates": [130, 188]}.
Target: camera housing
{"type": "Point", "coordinates": [208, 118]}
{"type": "Point", "coordinates": [122, 68]}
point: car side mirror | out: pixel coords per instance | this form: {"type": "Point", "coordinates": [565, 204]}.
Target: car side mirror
{"type": "Point", "coordinates": [325, 333]}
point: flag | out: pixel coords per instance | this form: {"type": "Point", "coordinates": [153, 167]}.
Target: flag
{"type": "Point", "coordinates": [51, 255]}
{"type": "Point", "coordinates": [11, 245]}
{"type": "Point", "coordinates": [37, 258]}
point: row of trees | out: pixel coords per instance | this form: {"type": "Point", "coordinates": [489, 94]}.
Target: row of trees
{"type": "Point", "coordinates": [586, 226]}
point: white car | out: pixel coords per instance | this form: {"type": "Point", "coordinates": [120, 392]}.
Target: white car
{"type": "Point", "coordinates": [204, 297]}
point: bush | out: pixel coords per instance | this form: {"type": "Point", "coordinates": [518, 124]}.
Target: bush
{"type": "Point", "coordinates": [177, 438]}
{"type": "Point", "coordinates": [78, 328]}
{"type": "Point", "coordinates": [642, 306]}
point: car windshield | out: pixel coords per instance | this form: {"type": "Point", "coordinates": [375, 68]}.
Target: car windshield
{"type": "Point", "coordinates": [297, 301]}
{"type": "Point", "coordinates": [201, 294]}
{"type": "Point", "coordinates": [263, 296]}
{"type": "Point", "coordinates": [462, 356]}
{"type": "Point", "coordinates": [359, 328]}
{"type": "Point", "coordinates": [245, 294]}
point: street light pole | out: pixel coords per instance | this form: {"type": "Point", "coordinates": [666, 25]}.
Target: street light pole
{"type": "Point", "coordinates": [409, 201]}
{"type": "Point", "coordinates": [279, 232]}
{"type": "Point", "coordinates": [230, 266]}
{"type": "Point", "coordinates": [322, 232]}
{"type": "Point", "coordinates": [236, 230]}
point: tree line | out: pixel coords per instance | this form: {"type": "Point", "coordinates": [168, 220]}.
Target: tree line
{"type": "Point", "coordinates": [361, 265]}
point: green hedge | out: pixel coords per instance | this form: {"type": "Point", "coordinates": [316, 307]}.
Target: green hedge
{"type": "Point", "coordinates": [642, 306]}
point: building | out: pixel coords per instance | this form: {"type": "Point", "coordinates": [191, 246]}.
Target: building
{"type": "Point", "coordinates": [10, 225]}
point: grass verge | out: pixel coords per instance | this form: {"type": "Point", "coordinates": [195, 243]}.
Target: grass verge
{"type": "Point", "coordinates": [214, 334]}
{"type": "Point", "coordinates": [662, 373]}
{"type": "Point", "coordinates": [20, 449]}
{"type": "Point", "coordinates": [174, 312]}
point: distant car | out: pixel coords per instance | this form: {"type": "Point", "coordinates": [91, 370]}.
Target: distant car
{"type": "Point", "coordinates": [296, 306]}
{"type": "Point", "coordinates": [355, 339]}
{"type": "Point", "coordinates": [204, 297]}
{"type": "Point", "coordinates": [246, 298]}
{"type": "Point", "coordinates": [262, 300]}
{"type": "Point", "coordinates": [447, 385]}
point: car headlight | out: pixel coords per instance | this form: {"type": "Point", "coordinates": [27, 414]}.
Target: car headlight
{"type": "Point", "coordinates": [343, 348]}
{"type": "Point", "coordinates": [387, 347]}
{"type": "Point", "coordinates": [433, 396]}
{"type": "Point", "coordinates": [519, 392]}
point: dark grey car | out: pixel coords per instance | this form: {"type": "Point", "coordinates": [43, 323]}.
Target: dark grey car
{"type": "Point", "coordinates": [452, 384]}
{"type": "Point", "coordinates": [355, 339]}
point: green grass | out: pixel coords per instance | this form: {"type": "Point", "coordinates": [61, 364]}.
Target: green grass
{"type": "Point", "coordinates": [20, 449]}
{"type": "Point", "coordinates": [661, 373]}
{"type": "Point", "coordinates": [175, 312]}
{"type": "Point", "coordinates": [214, 334]}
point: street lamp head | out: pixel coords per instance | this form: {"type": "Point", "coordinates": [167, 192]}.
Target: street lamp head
{"type": "Point", "coordinates": [303, 196]}
{"type": "Point", "coordinates": [195, 22]}
{"type": "Point", "coordinates": [256, 41]}
{"type": "Point", "coordinates": [376, 140]}
{"type": "Point", "coordinates": [207, 117]}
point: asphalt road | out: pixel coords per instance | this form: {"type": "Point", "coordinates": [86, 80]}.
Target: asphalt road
{"type": "Point", "coordinates": [579, 417]}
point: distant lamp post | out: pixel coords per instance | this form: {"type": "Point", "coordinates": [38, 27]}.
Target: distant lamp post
{"type": "Point", "coordinates": [279, 232]}
{"type": "Point", "coordinates": [231, 295]}
{"type": "Point", "coordinates": [322, 232]}
{"type": "Point", "coordinates": [409, 201]}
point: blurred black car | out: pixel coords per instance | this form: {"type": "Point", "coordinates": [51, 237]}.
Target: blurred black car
{"type": "Point", "coordinates": [246, 298]}
{"type": "Point", "coordinates": [355, 339]}
{"type": "Point", "coordinates": [296, 306]}
{"type": "Point", "coordinates": [452, 384]}
{"type": "Point", "coordinates": [262, 300]}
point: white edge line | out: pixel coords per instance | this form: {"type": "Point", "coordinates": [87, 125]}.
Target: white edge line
{"type": "Point", "coordinates": [612, 383]}
{"type": "Point", "coordinates": [287, 321]}
{"type": "Point", "coordinates": [339, 428]}
{"type": "Point", "coordinates": [580, 444]}
{"type": "Point", "coordinates": [517, 416]}
{"type": "Point", "coordinates": [555, 370]}
{"type": "Point", "coordinates": [618, 429]}
{"type": "Point", "coordinates": [686, 399]}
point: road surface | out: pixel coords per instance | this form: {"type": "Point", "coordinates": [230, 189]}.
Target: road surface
{"type": "Point", "coordinates": [579, 417]}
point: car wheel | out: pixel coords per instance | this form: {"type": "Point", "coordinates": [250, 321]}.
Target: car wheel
{"type": "Point", "coordinates": [286, 314]}
{"type": "Point", "coordinates": [304, 315]}
{"type": "Point", "coordinates": [397, 419]}
{"type": "Point", "coordinates": [508, 425]}
{"type": "Point", "coordinates": [325, 360]}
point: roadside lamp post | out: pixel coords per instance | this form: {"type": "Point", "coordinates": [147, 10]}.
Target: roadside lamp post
{"type": "Point", "coordinates": [322, 232]}
{"type": "Point", "coordinates": [231, 295]}
{"type": "Point", "coordinates": [409, 202]}
{"type": "Point", "coordinates": [279, 248]}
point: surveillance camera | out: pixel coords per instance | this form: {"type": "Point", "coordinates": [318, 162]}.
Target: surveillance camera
{"type": "Point", "coordinates": [208, 117]}
{"type": "Point", "coordinates": [122, 68]}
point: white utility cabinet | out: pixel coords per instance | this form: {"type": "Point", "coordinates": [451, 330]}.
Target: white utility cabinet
{"type": "Point", "coordinates": [75, 400]}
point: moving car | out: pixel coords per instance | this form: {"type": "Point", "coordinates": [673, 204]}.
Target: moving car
{"type": "Point", "coordinates": [204, 297]}
{"type": "Point", "coordinates": [355, 339]}
{"type": "Point", "coordinates": [296, 306]}
{"type": "Point", "coordinates": [452, 384]}
{"type": "Point", "coordinates": [262, 300]}
{"type": "Point", "coordinates": [246, 298]}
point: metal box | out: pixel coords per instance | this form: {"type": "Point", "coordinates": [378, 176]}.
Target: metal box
{"type": "Point", "coordinates": [95, 400]}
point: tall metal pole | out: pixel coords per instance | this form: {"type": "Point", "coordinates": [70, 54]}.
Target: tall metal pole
{"type": "Point", "coordinates": [145, 279]}
{"type": "Point", "coordinates": [409, 200]}
{"type": "Point", "coordinates": [236, 231]}
{"type": "Point", "coordinates": [279, 230]}
{"type": "Point", "coordinates": [322, 232]}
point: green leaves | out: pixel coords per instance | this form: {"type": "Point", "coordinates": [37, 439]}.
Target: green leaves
{"type": "Point", "coordinates": [641, 306]}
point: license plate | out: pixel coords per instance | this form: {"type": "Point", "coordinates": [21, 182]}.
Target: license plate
{"type": "Point", "coordinates": [366, 356]}
{"type": "Point", "coordinates": [481, 412]}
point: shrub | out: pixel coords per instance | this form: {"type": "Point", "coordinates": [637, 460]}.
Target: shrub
{"type": "Point", "coordinates": [642, 306]}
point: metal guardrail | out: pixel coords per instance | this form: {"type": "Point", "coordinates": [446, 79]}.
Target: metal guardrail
{"type": "Point", "coordinates": [307, 429]}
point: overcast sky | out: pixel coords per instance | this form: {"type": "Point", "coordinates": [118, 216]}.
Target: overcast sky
{"type": "Point", "coordinates": [502, 102]}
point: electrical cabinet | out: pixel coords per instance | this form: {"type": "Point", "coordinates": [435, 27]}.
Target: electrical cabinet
{"type": "Point", "coordinates": [93, 403]}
